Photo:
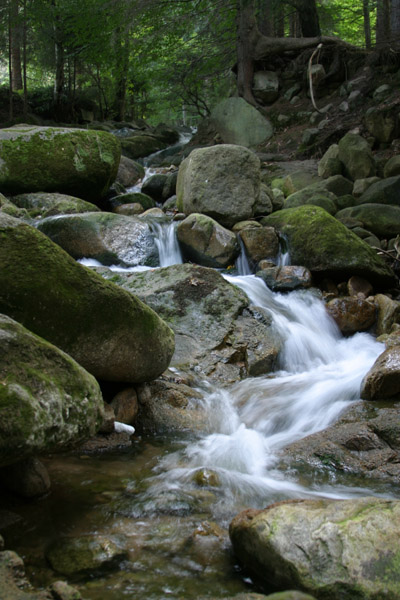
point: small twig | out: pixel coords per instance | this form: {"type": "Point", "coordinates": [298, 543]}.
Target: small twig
{"type": "Point", "coordinates": [318, 48]}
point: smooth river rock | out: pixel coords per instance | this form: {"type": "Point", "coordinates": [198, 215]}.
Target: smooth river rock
{"type": "Point", "coordinates": [108, 331]}
{"type": "Point", "coordinates": [334, 549]}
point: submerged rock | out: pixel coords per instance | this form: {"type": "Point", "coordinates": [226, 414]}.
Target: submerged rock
{"type": "Point", "coordinates": [108, 331]}
{"type": "Point", "coordinates": [78, 162]}
{"type": "Point", "coordinates": [331, 548]}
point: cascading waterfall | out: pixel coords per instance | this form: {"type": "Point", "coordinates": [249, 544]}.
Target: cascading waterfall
{"type": "Point", "coordinates": [321, 373]}
{"type": "Point", "coordinates": [167, 244]}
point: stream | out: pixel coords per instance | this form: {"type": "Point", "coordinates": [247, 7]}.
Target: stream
{"type": "Point", "coordinates": [168, 500]}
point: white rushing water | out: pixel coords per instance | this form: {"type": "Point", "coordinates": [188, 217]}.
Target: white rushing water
{"type": "Point", "coordinates": [320, 374]}
{"type": "Point", "coordinates": [169, 252]}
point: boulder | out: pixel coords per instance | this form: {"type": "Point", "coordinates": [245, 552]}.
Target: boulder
{"type": "Point", "coordinates": [47, 400]}
{"type": "Point", "coordinates": [392, 167]}
{"type": "Point", "coordinates": [77, 162]}
{"type": "Point", "coordinates": [361, 186]}
{"type": "Point", "coordinates": [138, 146]}
{"type": "Point", "coordinates": [365, 441]}
{"type": "Point", "coordinates": [27, 478]}
{"type": "Point", "coordinates": [325, 200]}
{"type": "Point", "coordinates": [266, 86]}
{"type": "Point", "coordinates": [84, 555]}
{"type": "Point", "coordinates": [384, 191]}
{"type": "Point", "coordinates": [388, 314]}
{"type": "Point", "coordinates": [206, 242]}
{"type": "Point", "coordinates": [260, 242]}
{"type": "Point", "coordinates": [217, 331]}
{"type": "Point", "coordinates": [154, 185]}
{"type": "Point", "coordinates": [382, 124]}
{"type": "Point", "coordinates": [352, 314]}
{"type": "Point", "coordinates": [132, 198]}
{"type": "Point", "coordinates": [298, 180]}
{"type": "Point", "coordinates": [13, 582]}
{"type": "Point", "coordinates": [380, 219]}
{"type": "Point", "coordinates": [356, 156]}
{"type": "Point", "coordinates": [42, 204]}
{"type": "Point", "coordinates": [106, 237]}
{"type": "Point", "coordinates": [286, 278]}
{"type": "Point", "coordinates": [318, 241]}
{"type": "Point", "coordinates": [129, 172]}
{"type": "Point", "coordinates": [330, 163]}
{"type": "Point", "coordinates": [108, 331]}
{"type": "Point", "coordinates": [222, 182]}
{"type": "Point", "coordinates": [331, 548]}
{"type": "Point", "coordinates": [383, 379]}
{"type": "Point", "coordinates": [237, 122]}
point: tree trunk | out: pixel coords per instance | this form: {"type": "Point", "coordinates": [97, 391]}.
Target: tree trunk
{"type": "Point", "coordinates": [15, 40]}
{"type": "Point", "coordinates": [24, 62]}
{"type": "Point", "coordinates": [308, 16]}
{"type": "Point", "coordinates": [395, 24]}
{"type": "Point", "coordinates": [59, 56]}
{"type": "Point", "coordinates": [266, 17]}
{"type": "Point", "coordinates": [247, 33]}
{"type": "Point", "coordinates": [383, 23]}
{"type": "Point", "coordinates": [367, 24]}
{"type": "Point", "coordinates": [121, 71]}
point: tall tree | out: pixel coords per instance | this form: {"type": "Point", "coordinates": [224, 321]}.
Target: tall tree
{"type": "Point", "coordinates": [16, 37]}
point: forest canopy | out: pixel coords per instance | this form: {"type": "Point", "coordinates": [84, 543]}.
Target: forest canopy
{"type": "Point", "coordinates": [169, 60]}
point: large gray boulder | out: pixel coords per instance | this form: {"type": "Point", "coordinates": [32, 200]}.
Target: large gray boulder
{"type": "Point", "coordinates": [321, 243]}
{"type": "Point", "coordinates": [217, 331]}
{"type": "Point", "coordinates": [47, 400]}
{"type": "Point", "coordinates": [107, 237]}
{"type": "Point", "coordinates": [336, 550]}
{"type": "Point", "coordinates": [77, 162]}
{"type": "Point", "coordinates": [222, 182]}
{"type": "Point", "coordinates": [206, 242]}
{"type": "Point", "coordinates": [356, 156]}
{"type": "Point", "coordinates": [381, 219]}
{"type": "Point", "coordinates": [237, 122]}
{"type": "Point", "coordinates": [108, 331]}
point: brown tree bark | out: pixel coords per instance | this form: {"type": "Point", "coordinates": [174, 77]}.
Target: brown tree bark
{"type": "Point", "coordinates": [15, 43]}
{"type": "Point", "coordinates": [383, 23]}
{"type": "Point", "coordinates": [247, 34]}
{"type": "Point", "coordinates": [308, 16]}
{"type": "Point", "coordinates": [367, 24]}
{"type": "Point", "coordinates": [395, 24]}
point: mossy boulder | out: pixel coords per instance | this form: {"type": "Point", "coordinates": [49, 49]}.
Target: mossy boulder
{"type": "Point", "coordinates": [384, 191]}
{"type": "Point", "coordinates": [221, 181]}
{"type": "Point", "coordinates": [237, 122]}
{"type": "Point", "coordinates": [132, 198]}
{"type": "Point", "coordinates": [107, 330]}
{"type": "Point", "coordinates": [76, 162]}
{"type": "Point", "coordinates": [47, 400]}
{"type": "Point", "coordinates": [356, 156]}
{"type": "Point", "coordinates": [206, 242]}
{"type": "Point", "coordinates": [333, 549]}
{"type": "Point", "coordinates": [106, 237]}
{"type": "Point", "coordinates": [138, 146]}
{"type": "Point", "coordinates": [46, 204]}
{"type": "Point", "coordinates": [382, 220]}
{"type": "Point", "coordinates": [321, 243]}
{"type": "Point", "coordinates": [129, 172]}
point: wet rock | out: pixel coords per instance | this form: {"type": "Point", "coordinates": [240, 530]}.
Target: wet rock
{"type": "Point", "coordinates": [108, 238]}
{"type": "Point", "coordinates": [206, 478]}
{"type": "Point", "coordinates": [42, 204]}
{"type": "Point", "coordinates": [364, 441]}
{"type": "Point", "coordinates": [321, 243]}
{"type": "Point", "coordinates": [129, 172]}
{"type": "Point", "coordinates": [107, 425]}
{"type": "Point", "coordinates": [28, 478]}
{"type": "Point", "coordinates": [260, 242]}
{"type": "Point", "coordinates": [342, 548]}
{"type": "Point", "coordinates": [359, 286]}
{"type": "Point", "coordinates": [131, 198]}
{"type": "Point", "coordinates": [221, 181]}
{"type": "Point", "coordinates": [77, 162]}
{"type": "Point", "coordinates": [141, 145]}
{"type": "Point", "coordinates": [125, 406]}
{"type": "Point", "coordinates": [60, 590]}
{"type": "Point", "coordinates": [154, 185]}
{"type": "Point", "coordinates": [109, 332]}
{"type": "Point", "coordinates": [13, 583]}
{"type": "Point", "coordinates": [388, 314]}
{"type": "Point", "coordinates": [206, 242]}
{"type": "Point", "coordinates": [352, 314]}
{"type": "Point", "coordinates": [356, 156]}
{"type": "Point", "coordinates": [129, 210]}
{"type": "Point", "coordinates": [286, 278]}
{"type": "Point", "coordinates": [217, 332]}
{"type": "Point", "coordinates": [84, 555]}
{"type": "Point", "coordinates": [47, 401]}
{"type": "Point", "coordinates": [383, 379]}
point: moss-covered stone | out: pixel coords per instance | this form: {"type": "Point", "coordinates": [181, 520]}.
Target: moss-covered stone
{"type": "Point", "coordinates": [107, 330]}
{"type": "Point", "coordinates": [382, 220]}
{"type": "Point", "coordinates": [321, 243]}
{"type": "Point", "coordinates": [47, 400]}
{"type": "Point", "coordinates": [141, 145]}
{"type": "Point", "coordinates": [77, 162]}
{"type": "Point", "coordinates": [42, 204]}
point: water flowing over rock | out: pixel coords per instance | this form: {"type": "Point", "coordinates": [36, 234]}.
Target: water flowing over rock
{"type": "Point", "coordinates": [108, 331]}
{"type": "Point", "coordinates": [77, 162]}
{"type": "Point", "coordinates": [47, 400]}
{"type": "Point", "coordinates": [321, 243]}
{"type": "Point", "coordinates": [222, 182]}
{"type": "Point", "coordinates": [108, 238]}
{"type": "Point", "coordinates": [206, 242]}
{"type": "Point", "coordinates": [334, 549]}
